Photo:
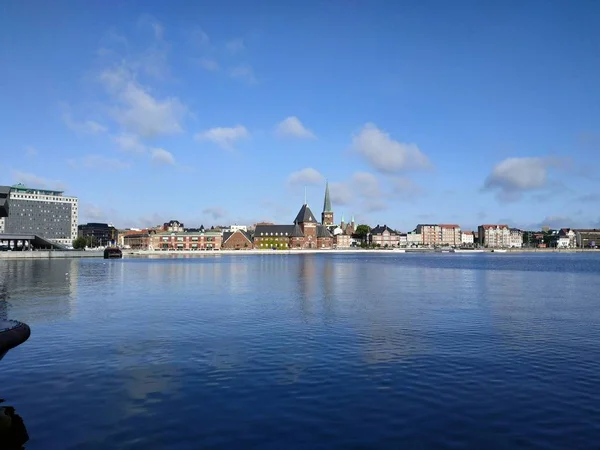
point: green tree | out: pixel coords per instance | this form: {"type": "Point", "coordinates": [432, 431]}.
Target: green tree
{"type": "Point", "coordinates": [362, 231]}
{"type": "Point", "coordinates": [79, 243]}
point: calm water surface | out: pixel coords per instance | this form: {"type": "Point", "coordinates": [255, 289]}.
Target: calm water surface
{"type": "Point", "coordinates": [307, 351]}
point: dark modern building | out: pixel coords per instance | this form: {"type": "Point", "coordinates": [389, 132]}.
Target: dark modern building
{"type": "Point", "coordinates": [98, 234]}
{"type": "Point", "coordinates": [40, 212]}
{"type": "Point", "coordinates": [4, 194]}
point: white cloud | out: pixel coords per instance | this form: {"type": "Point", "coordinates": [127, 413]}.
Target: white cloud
{"type": "Point", "coordinates": [224, 137]}
{"type": "Point", "coordinates": [292, 127]}
{"type": "Point", "coordinates": [31, 152]}
{"type": "Point", "coordinates": [308, 176]}
{"type": "Point", "coordinates": [341, 193]}
{"type": "Point", "coordinates": [34, 181]}
{"type": "Point", "coordinates": [209, 64]}
{"type": "Point", "coordinates": [98, 162]}
{"type": "Point", "coordinates": [243, 72]}
{"type": "Point", "coordinates": [90, 212]}
{"type": "Point", "coordinates": [216, 212]}
{"type": "Point", "coordinates": [386, 154]}
{"type": "Point", "coordinates": [86, 127]}
{"type": "Point", "coordinates": [405, 187]}
{"type": "Point", "coordinates": [129, 143]}
{"type": "Point", "coordinates": [513, 176]}
{"type": "Point", "coordinates": [236, 45]}
{"type": "Point", "coordinates": [136, 110]}
{"type": "Point", "coordinates": [161, 156]}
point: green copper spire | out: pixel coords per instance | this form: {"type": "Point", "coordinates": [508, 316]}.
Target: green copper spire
{"type": "Point", "coordinates": [342, 218]}
{"type": "Point", "coordinates": [327, 203]}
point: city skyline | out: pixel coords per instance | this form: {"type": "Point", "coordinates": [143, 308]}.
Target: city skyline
{"type": "Point", "coordinates": [461, 116]}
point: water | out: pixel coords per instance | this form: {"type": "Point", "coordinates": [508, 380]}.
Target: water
{"type": "Point", "coordinates": [307, 351]}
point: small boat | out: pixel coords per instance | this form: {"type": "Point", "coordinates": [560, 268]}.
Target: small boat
{"type": "Point", "coordinates": [112, 253]}
{"type": "Point", "coordinates": [467, 250]}
{"type": "Point", "coordinates": [499, 250]}
{"type": "Point", "coordinates": [12, 334]}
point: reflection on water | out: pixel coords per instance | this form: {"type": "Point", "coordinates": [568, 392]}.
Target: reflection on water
{"type": "Point", "coordinates": [307, 351]}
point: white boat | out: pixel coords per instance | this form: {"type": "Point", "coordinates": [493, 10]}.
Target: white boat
{"type": "Point", "coordinates": [466, 250]}
{"type": "Point", "coordinates": [399, 250]}
{"type": "Point", "coordinates": [499, 250]}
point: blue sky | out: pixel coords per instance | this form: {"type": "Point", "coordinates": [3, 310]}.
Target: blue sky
{"type": "Point", "coordinates": [222, 112]}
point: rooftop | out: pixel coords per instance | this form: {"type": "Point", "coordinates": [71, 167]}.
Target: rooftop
{"type": "Point", "coordinates": [20, 187]}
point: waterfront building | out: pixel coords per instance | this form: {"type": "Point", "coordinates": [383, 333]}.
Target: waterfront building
{"type": "Point", "coordinates": [494, 236]}
{"type": "Point", "coordinates": [567, 238]}
{"type": "Point", "coordinates": [467, 238]}
{"type": "Point", "coordinates": [516, 238]}
{"type": "Point", "coordinates": [304, 233]}
{"type": "Point", "coordinates": [384, 236]}
{"type": "Point", "coordinates": [4, 194]}
{"type": "Point", "coordinates": [403, 240]}
{"type": "Point", "coordinates": [450, 235]}
{"type": "Point", "coordinates": [186, 240]}
{"type": "Point", "coordinates": [137, 240]}
{"type": "Point", "coordinates": [414, 239]}
{"type": "Point", "coordinates": [41, 212]}
{"type": "Point", "coordinates": [237, 240]}
{"type": "Point", "coordinates": [173, 226]}
{"type": "Point", "coordinates": [430, 234]}
{"type": "Point", "coordinates": [586, 237]}
{"type": "Point", "coordinates": [98, 234]}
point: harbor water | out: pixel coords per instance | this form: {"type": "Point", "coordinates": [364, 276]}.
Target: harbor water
{"type": "Point", "coordinates": [315, 351]}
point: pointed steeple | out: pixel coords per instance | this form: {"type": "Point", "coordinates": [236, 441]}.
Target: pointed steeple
{"type": "Point", "coordinates": [327, 202]}
{"type": "Point", "coordinates": [342, 217]}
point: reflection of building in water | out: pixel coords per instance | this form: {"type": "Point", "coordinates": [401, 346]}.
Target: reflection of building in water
{"type": "Point", "coordinates": [38, 289]}
{"type": "Point", "coordinates": [306, 284]}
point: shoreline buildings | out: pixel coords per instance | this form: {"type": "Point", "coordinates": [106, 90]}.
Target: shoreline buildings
{"type": "Point", "coordinates": [41, 212]}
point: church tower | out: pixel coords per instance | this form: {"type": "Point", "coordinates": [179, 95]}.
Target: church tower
{"type": "Point", "coordinates": [327, 214]}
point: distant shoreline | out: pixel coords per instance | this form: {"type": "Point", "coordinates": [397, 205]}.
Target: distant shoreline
{"type": "Point", "coordinates": [199, 254]}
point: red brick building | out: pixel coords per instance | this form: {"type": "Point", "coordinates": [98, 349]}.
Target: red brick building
{"type": "Point", "coordinates": [237, 240]}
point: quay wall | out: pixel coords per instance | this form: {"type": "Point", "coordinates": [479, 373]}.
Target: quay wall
{"type": "Point", "coordinates": [46, 254]}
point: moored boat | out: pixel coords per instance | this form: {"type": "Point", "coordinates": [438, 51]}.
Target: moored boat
{"type": "Point", "coordinates": [467, 250]}
{"type": "Point", "coordinates": [112, 253]}
{"type": "Point", "coordinates": [12, 334]}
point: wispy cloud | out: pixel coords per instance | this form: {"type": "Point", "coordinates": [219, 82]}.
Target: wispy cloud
{"type": "Point", "coordinates": [35, 181]}
{"type": "Point", "coordinates": [243, 72]}
{"type": "Point", "coordinates": [512, 177]}
{"type": "Point", "coordinates": [307, 176]}
{"type": "Point", "coordinates": [210, 65]}
{"type": "Point", "coordinates": [292, 127]}
{"type": "Point", "coordinates": [385, 154]}
{"type": "Point", "coordinates": [235, 46]}
{"type": "Point", "coordinates": [98, 162]}
{"type": "Point", "coordinates": [224, 137]}
{"type": "Point", "coordinates": [31, 152]}
{"type": "Point", "coordinates": [129, 143]}
{"type": "Point", "coordinates": [85, 127]}
{"type": "Point", "coordinates": [163, 157]}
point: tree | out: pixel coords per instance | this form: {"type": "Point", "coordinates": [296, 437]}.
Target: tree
{"type": "Point", "coordinates": [79, 243]}
{"type": "Point", "coordinates": [362, 231]}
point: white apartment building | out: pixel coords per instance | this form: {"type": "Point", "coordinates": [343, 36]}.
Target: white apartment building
{"type": "Point", "coordinates": [45, 213]}
{"type": "Point", "coordinates": [414, 239]}
{"type": "Point", "coordinates": [467, 238]}
{"type": "Point", "coordinates": [494, 236]}
{"type": "Point", "coordinates": [516, 238]}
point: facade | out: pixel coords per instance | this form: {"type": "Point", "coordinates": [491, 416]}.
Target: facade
{"type": "Point", "coordinates": [450, 235]}
{"type": "Point", "coordinates": [384, 236]}
{"type": "Point", "coordinates": [45, 213]}
{"type": "Point", "coordinates": [430, 234]}
{"type": "Point", "coordinates": [516, 238]}
{"type": "Point", "coordinates": [234, 228]}
{"type": "Point", "coordinates": [4, 194]}
{"type": "Point", "coordinates": [467, 238]}
{"type": "Point", "coordinates": [403, 241]}
{"type": "Point", "coordinates": [585, 238]}
{"type": "Point", "coordinates": [494, 236]}
{"type": "Point", "coordinates": [186, 240]}
{"type": "Point", "coordinates": [237, 240]}
{"type": "Point", "coordinates": [304, 233]}
{"type": "Point", "coordinates": [342, 240]}
{"type": "Point", "coordinates": [568, 237]}
{"type": "Point", "coordinates": [137, 241]}
{"type": "Point", "coordinates": [414, 239]}
{"type": "Point", "coordinates": [342, 234]}
{"type": "Point", "coordinates": [98, 234]}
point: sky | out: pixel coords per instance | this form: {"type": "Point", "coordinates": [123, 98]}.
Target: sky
{"type": "Point", "coordinates": [227, 112]}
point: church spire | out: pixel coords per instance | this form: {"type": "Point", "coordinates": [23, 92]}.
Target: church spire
{"type": "Point", "coordinates": [327, 202]}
